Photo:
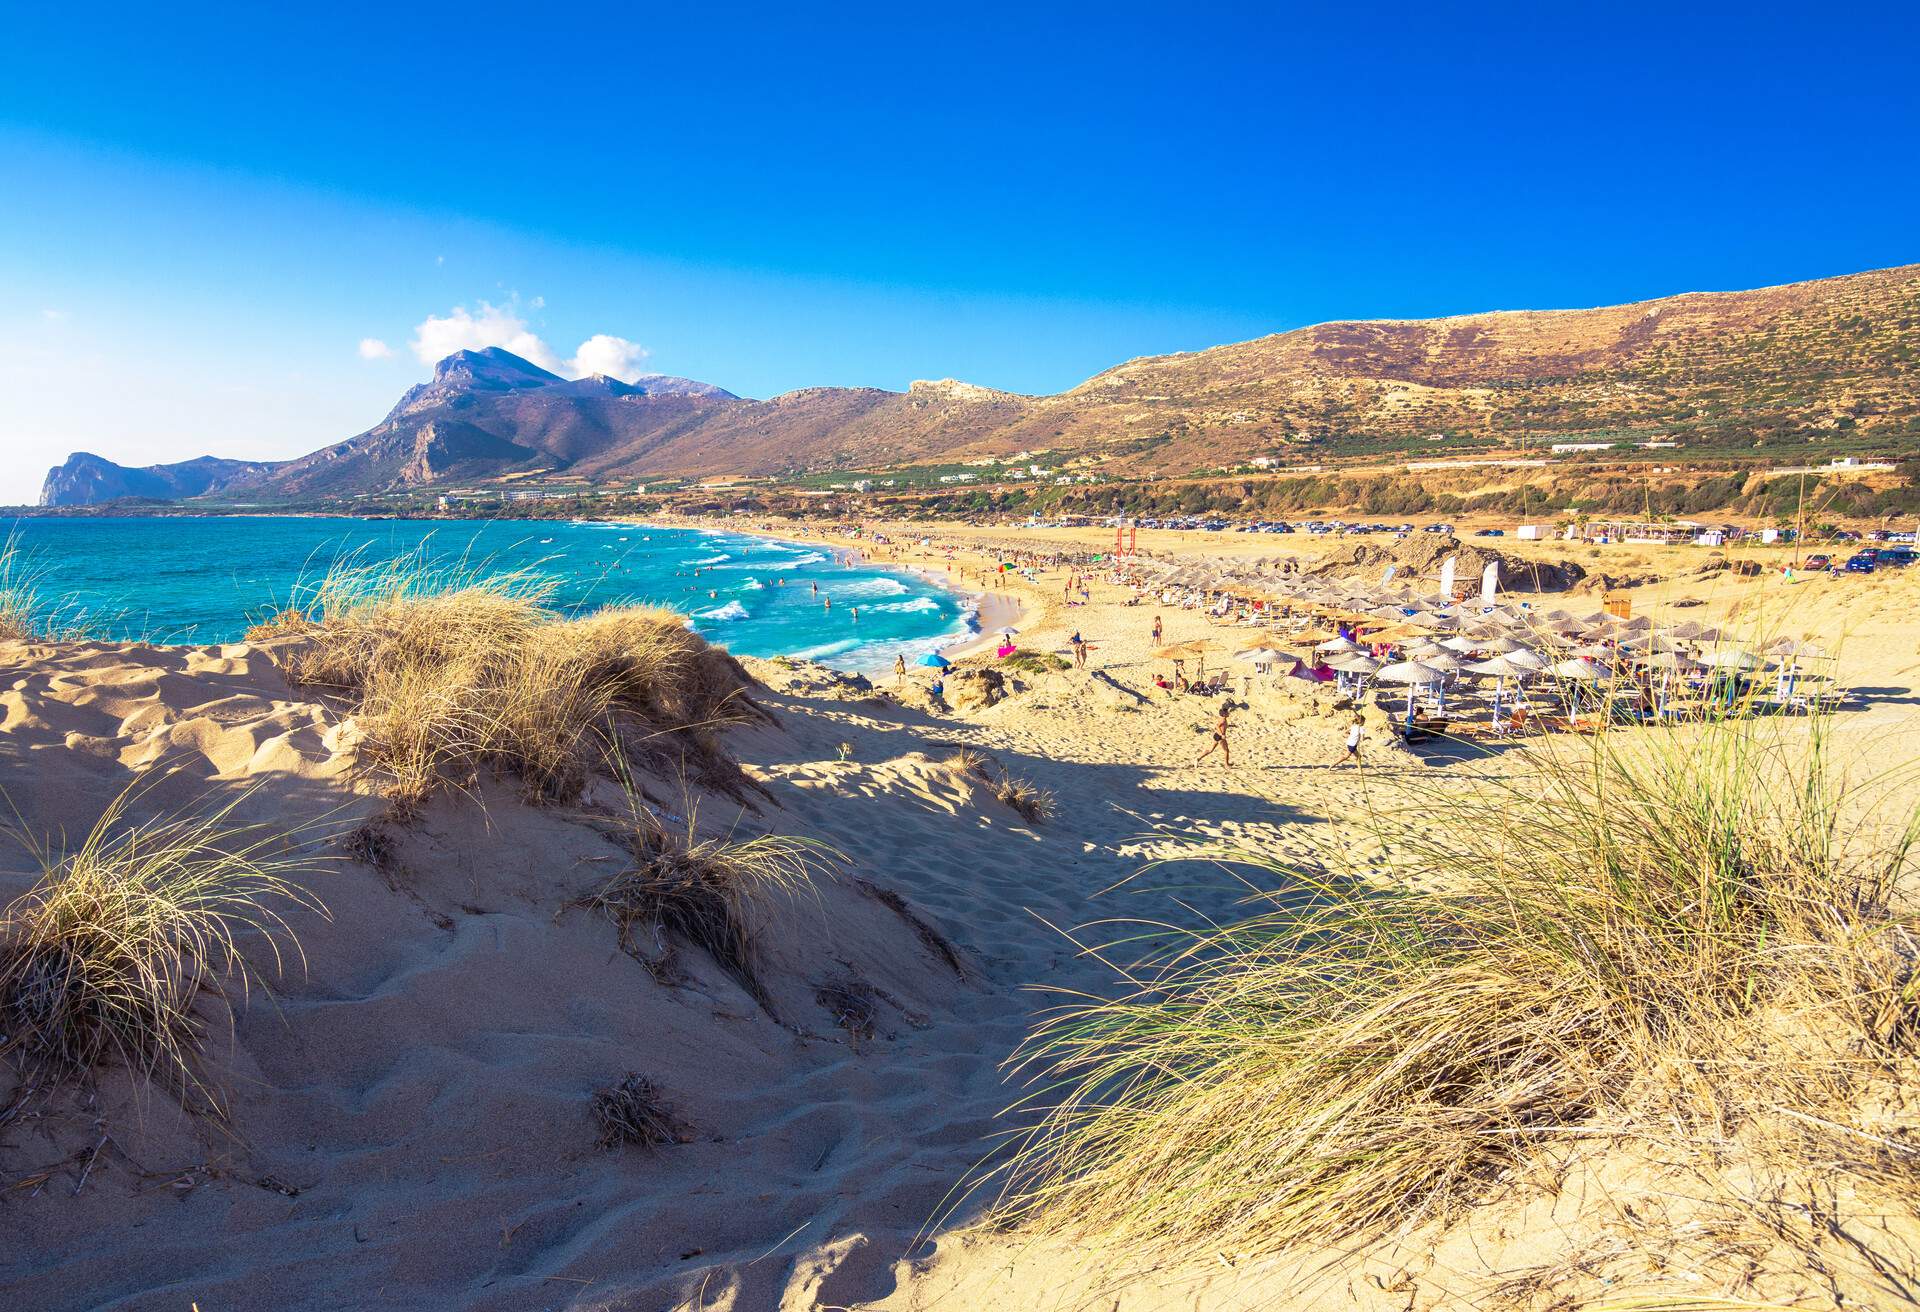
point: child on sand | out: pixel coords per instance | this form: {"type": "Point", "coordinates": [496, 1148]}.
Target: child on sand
{"type": "Point", "coordinates": [1156, 630]}
{"type": "Point", "coordinates": [1354, 731]}
{"type": "Point", "coordinates": [1220, 737]}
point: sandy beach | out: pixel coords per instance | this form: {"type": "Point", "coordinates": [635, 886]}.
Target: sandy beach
{"type": "Point", "coordinates": [407, 1101]}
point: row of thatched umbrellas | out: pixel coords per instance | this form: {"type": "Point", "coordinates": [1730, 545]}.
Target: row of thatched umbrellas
{"type": "Point", "coordinates": [1436, 637]}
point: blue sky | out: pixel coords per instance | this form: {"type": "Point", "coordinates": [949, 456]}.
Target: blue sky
{"type": "Point", "coordinates": [204, 215]}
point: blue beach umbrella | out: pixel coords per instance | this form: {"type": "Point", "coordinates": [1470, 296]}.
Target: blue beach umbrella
{"type": "Point", "coordinates": [936, 660]}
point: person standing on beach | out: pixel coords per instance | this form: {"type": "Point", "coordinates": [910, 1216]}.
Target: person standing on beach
{"type": "Point", "coordinates": [1354, 731]}
{"type": "Point", "coordinates": [1156, 630]}
{"type": "Point", "coordinates": [1220, 737]}
{"type": "Point", "coordinates": [900, 667]}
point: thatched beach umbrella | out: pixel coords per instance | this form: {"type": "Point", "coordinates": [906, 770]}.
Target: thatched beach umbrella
{"type": "Point", "coordinates": [1731, 658]}
{"type": "Point", "coordinates": [1504, 666]}
{"type": "Point", "coordinates": [1579, 670]}
{"type": "Point", "coordinates": [1669, 663]}
{"type": "Point", "coordinates": [1262, 658]}
{"type": "Point", "coordinates": [1415, 674]}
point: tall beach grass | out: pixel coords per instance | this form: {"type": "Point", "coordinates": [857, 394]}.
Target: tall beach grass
{"type": "Point", "coordinates": [28, 611]}
{"type": "Point", "coordinates": [1696, 941]}
{"type": "Point", "coordinates": [107, 957]}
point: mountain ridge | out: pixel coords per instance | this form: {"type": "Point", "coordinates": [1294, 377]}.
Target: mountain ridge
{"type": "Point", "coordinates": [1721, 369]}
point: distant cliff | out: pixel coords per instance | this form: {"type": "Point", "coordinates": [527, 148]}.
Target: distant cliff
{"type": "Point", "coordinates": [88, 480]}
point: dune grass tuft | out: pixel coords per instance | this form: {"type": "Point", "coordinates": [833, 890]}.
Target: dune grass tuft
{"type": "Point", "coordinates": [635, 1112]}
{"type": "Point", "coordinates": [1034, 804]}
{"type": "Point", "coordinates": [107, 955]}
{"type": "Point", "coordinates": [704, 891]}
{"type": "Point", "coordinates": [454, 670]}
{"type": "Point", "coordinates": [1676, 941]}
{"type": "Point", "coordinates": [972, 762]}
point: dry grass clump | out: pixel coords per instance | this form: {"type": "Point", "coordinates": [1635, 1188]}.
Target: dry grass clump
{"type": "Point", "coordinates": [1033, 803]}
{"type": "Point", "coordinates": [1687, 943]}
{"type": "Point", "coordinates": [853, 1004]}
{"type": "Point", "coordinates": [107, 955]}
{"type": "Point", "coordinates": [455, 671]}
{"type": "Point", "coordinates": [704, 891]}
{"type": "Point", "coordinates": [970, 761]}
{"type": "Point", "coordinates": [634, 1112]}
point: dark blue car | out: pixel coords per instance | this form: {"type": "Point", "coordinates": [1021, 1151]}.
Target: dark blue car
{"type": "Point", "coordinates": [1862, 562]}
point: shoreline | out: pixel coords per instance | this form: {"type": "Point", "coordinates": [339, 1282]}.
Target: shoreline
{"type": "Point", "coordinates": [993, 612]}
{"type": "Point", "coordinates": [986, 612]}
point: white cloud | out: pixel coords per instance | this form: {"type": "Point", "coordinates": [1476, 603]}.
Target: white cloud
{"type": "Point", "coordinates": [55, 316]}
{"type": "Point", "coordinates": [372, 348]}
{"type": "Point", "coordinates": [616, 357]}
{"type": "Point", "coordinates": [439, 336]}
{"type": "Point", "coordinates": [461, 329]}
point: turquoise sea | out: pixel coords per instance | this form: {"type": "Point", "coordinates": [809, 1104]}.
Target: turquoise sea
{"type": "Point", "coordinates": [203, 580]}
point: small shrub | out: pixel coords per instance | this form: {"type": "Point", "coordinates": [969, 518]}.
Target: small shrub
{"type": "Point", "coordinates": [1034, 662]}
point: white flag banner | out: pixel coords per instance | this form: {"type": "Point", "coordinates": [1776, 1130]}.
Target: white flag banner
{"type": "Point", "coordinates": [1489, 582]}
{"type": "Point", "coordinates": [1387, 577]}
{"type": "Point", "coordinates": [1446, 576]}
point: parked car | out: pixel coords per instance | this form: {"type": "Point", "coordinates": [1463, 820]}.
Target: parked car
{"type": "Point", "coordinates": [1490, 533]}
{"type": "Point", "coordinates": [1862, 562]}
{"type": "Point", "coordinates": [1818, 561]}
{"type": "Point", "coordinates": [1897, 557]}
